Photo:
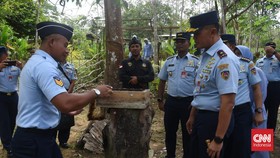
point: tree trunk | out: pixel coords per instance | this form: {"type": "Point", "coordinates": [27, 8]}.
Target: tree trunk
{"type": "Point", "coordinates": [114, 42]}
{"type": "Point", "coordinates": [128, 133]}
{"type": "Point", "coordinates": [156, 52]}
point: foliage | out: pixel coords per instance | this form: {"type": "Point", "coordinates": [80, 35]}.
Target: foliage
{"type": "Point", "coordinates": [141, 15]}
{"type": "Point", "coordinates": [20, 15]}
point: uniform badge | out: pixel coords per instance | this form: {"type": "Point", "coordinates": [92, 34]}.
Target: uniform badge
{"type": "Point", "coordinates": [223, 66]}
{"type": "Point", "coordinates": [206, 71]}
{"type": "Point", "coordinates": [253, 71]}
{"type": "Point", "coordinates": [191, 63]}
{"type": "Point", "coordinates": [221, 54]}
{"type": "Point", "coordinates": [170, 74]}
{"type": "Point", "coordinates": [251, 65]}
{"type": "Point", "coordinates": [144, 65]}
{"type": "Point", "coordinates": [206, 77]}
{"type": "Point", "coordinates": [225, 75]}
{"type": "Point", "coordinates": [240, 82]}
{"type": "Point", "coordinates": [129, 63]}
{"type": "Point", "coordinates": [58, 81]}
{"type": "Point", "coordinates": [242, 68]}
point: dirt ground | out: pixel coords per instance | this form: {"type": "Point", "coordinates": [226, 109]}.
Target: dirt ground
{"type": "Point", "coordinates": [156, 144]}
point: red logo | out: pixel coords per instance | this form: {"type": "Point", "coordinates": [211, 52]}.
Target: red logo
{"type": "Point", "coordinates": [262, 140]}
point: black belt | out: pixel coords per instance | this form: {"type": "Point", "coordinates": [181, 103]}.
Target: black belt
{"type": "Point", "coordinates": [242, 106]}
{"type": "Point", "coordinates": [276, 82]}
{"type": "Point", "coordinates": [37, 131]}
{"type": "Point", "coordinates": [8, 93]}
{"type": "Point", "coordinates": [206, 111]}
{"type": "Point", "coordinates": [180, 98]}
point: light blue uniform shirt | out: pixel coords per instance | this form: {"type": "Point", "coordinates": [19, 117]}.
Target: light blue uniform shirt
{"type": "Point", "coordinates": [216, 75]}
{"type": "Point", "coordinates": [248, 76]}
{"type": "Point", "coordinates": [70, 71]}
{"type": "Point", "coordinates": [9, 79]}
{"type": "Point", "coordinates": [180, 73]}
{"type": "Point", "coordinates": [148, 50]}
{"type": "Point", "coordinates": [39, 84]}
{"type": "Point", "coordinates": [271, 67]}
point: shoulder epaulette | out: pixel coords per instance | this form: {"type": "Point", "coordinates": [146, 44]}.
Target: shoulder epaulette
{"type": "Point", "coordinates": [245, 59]}
{"type": "Point", "coordinates": [221, 54]}
{"type": "Point", "coordinates": [170, 57]}
{"type": "Point", "coordinates": [195, 57]}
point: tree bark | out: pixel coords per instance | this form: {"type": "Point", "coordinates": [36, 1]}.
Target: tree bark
{"type": "Point", "coordinates": [114, 42]}
{"type": "Point", "coordinates": [128, 133]}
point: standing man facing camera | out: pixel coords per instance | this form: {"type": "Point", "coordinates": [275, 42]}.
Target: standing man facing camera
{"type": "Point", "coordinates": [43, 96]}
{"type": "Point", "coordinates": [179, 72]}
{"type": "Point", "coordinates": [216, 84]}
{"type": "Point", "coordinates": [135, 72]}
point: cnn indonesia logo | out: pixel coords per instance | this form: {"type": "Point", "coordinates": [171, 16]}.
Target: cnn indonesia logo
{"type": "Point", "coordinates": [262, 140]}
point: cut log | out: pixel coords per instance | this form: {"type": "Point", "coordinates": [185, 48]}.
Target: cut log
{"type": "Point", "coordinates": [128, 133]}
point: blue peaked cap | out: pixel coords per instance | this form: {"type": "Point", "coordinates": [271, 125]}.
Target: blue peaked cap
{"type": "Point", "coordinates": [47, 28]}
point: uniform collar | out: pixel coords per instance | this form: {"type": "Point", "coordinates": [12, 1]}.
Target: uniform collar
{"type": "Point", "coordinates": [214, 48]}
{"type": "Point", "coordinates": [46, 56]}
{"type": "Point", "coordinates": [272, 57]}
{"type": "Point", "coordinates": [186, 56]}
{"type": "Point", "coordinates": [133, 59]}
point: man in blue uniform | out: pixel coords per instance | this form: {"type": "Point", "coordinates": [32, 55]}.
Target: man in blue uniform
{"type": "Point", "coordinates": [270, 64]}
{"type": "Point", "coordinates": [9, 75]}
{"type": "Point", "coordinates": [239, 144]}
{"type": "Point", "coordinates": [68, 76]}
{"type": "Point", "coordinates": [135, 72]}
{"type": "Point", "coordinates": [216, 84]}
{"type": "Point", "coordinates": [229, 40]}
{"type": "Point", "coordinates": [148, 50]}
{"type": "Point", "coordinates": [43, 96]}
{"type": "Point", "coordinates": [248, 54]}
{"type": "Point", "coordinates": [240, 139]}
{"type": "Point", "coordinates": [178, 71]}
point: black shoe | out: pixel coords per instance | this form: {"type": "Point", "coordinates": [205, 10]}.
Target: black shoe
{"type": "Point", "coordinates": [10, 154]}
{"type": "Point", "coordinates": [64, 145]}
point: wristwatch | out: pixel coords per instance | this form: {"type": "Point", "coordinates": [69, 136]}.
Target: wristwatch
{"type": "Point", "coordinates": [259, 110]}
{"type": "Point", "coordinates": [218, 139]}
{"type": "Point", "coordinates": [97, 92]}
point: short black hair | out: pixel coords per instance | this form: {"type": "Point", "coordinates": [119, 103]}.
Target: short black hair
{"type": "Point", "coordinates": [3, 50]}
{"type": "Point", "coordinates": [134, 41]}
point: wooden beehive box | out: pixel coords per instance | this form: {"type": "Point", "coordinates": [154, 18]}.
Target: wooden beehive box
{"type": "Point", "coordinates": [126, 99]}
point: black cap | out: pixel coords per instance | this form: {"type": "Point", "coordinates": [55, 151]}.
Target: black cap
{"type": "Point", "coordinates": [228, 38]}
{"type": "Point", "coordinates": [202, 20]}
{"type": "Point", "coordinates": [3, 49]}
{"type": "Point", "coordinates": [272, 44]}
{"type": "Point", "coordinates": [47, 28]}
{"type": "Point", "coordinates": [182, 36]}
{"type": "Point", "coordinates": [134, 40]}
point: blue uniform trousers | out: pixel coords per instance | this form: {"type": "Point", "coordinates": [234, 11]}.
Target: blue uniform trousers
{"type": "Point", "coordinates": [239, 143]}
{"type": "Point", "coordinates": [271, 103]}
{"type": "Point", "coordinates": [204, 128]}
{"type": "Point", "coordinates": [35, 143]}
{"type": "Point", "coordinates": [8, 112]}
{"type": "Point", "coordinates": [176, 109]}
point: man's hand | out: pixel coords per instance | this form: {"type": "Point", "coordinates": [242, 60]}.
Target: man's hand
{"type": "Point", "coordinates": [214, 149]}
{"type": "Point", "coordinates": [269, 49]}
{"type": "Point", "coordinates": [18, 64]}
{"type": "Point", "coordinates": [189, 125]}
{"type": "Point", "coordinates": [133, 80]}
{"type": "Point", "coordinates": [105, 90]}
{"type": "Point", "coordinates": [258, 119]}
{"type": "Point", "coordinates": [3, 65]}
